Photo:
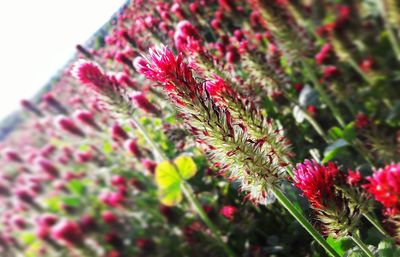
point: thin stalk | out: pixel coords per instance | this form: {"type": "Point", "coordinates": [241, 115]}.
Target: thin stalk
{"type": "Point", "coordinates": [187, 191]}
{"type": "Point", "coordinates": [392, 38]}
{"type": "Point", "coordinates": [356, 67]}
{"type": "Point", "coordinates": [159, 155]}
{"type": "Point", "coordinates": [309, 118]}
{"type": "Point", "coordinates": [303, 221]}
{"type": "Point", "coordinates": [323, 94]}
{"type": "Point", "coordinates": [362, 246]}
{"type": "Point", "coordinates": [315, 125]}
{"type": "Point", "coordinates": [370, 217]}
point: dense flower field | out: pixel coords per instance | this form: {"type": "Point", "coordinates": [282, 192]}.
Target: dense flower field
{"type": "Point", "coordinates": [215, 128]}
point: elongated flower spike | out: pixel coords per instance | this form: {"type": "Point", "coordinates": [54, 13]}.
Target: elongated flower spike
{"type": "Point", "coordinates": [106, 86]}
{"type": "Point", "coordinates": [290, 36]}
{"type": "Point", "coordinates": [338, 209]}
{"type": "Point", "coordinates": [225, 138]}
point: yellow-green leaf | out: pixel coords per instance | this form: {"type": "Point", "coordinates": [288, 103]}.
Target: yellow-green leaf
{"type": "Point", "coordinates": [166, 175]}
{"type": "Point", "coordinates": [168, 182]}
{"type": "Point", "coordinates": [186, 166]}
{"type": "Point", "coordinates": [169, 177]}
{"type": "Point", "coordinates": [171, 196]}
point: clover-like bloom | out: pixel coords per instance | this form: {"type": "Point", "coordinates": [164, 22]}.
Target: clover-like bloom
{"type": "Point", "coordinates": [338, 205]}
{"type": "Point", "coordinates": [316, 181]}
{"type": "Point", "coordinates": [91, 75]}
{"type": "Point", "coordinates": [384, 185]}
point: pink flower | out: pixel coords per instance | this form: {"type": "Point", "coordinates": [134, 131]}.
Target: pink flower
{"type": "Point", "coordinates": [11, 155]}
{"type": "Point", "coordinates": [143, 103]}
{"type": "Point", "coordinates": [362, 120]}
{"type": "Point", "coordinates": [67, 232]}
{"type": "Point", "coordinates": [330, 71]}
{"type": "Point", "coordinates": [384, 185]}
{"type": "Point", "coordinates": [68, 125]}
{"type": "Point", "coordinates": [324, 53]}
{"type": "Point", "coordinates": [316, 181]}
{"type": "Point", "coordinates": [140, 64]}
{"type": "Point", "coordinates": [184, 33]}
{"type": "Point", "coordinates": [118, 133]}
{"type": "Point", "coordinates": [109, 217]}
{"type": "Point", "coordinates": [47, 166]}
{"type": "Point", "coordinates": [353, 177]}
{"type": "Point", "coordinates": [228, 211]}
{"type": "Point", "coordinates": [91, 75]}
{"type": "Point", "coordinates": [132, 146]}
{"type": "Point", "coordinates": [86, 118]}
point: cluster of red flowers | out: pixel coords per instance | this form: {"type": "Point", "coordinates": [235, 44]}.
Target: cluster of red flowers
{"type": "Point", "coordinates": [384, 185]}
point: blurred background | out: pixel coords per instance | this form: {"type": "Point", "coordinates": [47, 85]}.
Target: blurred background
{"type": "Point", "coordinates": [39, 37]}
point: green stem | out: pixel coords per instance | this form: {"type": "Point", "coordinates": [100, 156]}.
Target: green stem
{"type": "Point", "coordinates": [359, 71]}
{"type": "Point", "coordinates": [322, 93]}
{"type": "Point", "coordinates": [315, 125]}
{"type": "Point", "coordinates": [392, 37]}
{"type": "Point", "coordinates": [375, 223]}
{"type": "Point", "coordinates": [362, 246]}
{"type": "Point", "coordinates": [158, 154]}
{"type": "Point", "coordinates": [187, 191]}
{"type": "Point", "coordinates": [303, 221]}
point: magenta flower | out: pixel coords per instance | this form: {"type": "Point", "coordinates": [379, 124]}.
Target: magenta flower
{"type": "Point", "coordinates": [68, 232]}
{"type": "Point", "coordinates": [68, 125]}
{"type": "Point", "coordinates": [228, 211]}
{"type": "Point", "coordinates": [316, 181]}
{"type": "Point", "coordinates": [87, 118]}
{"type": "Point", "coordinates": [143, 103]}
{"type": "Point", "coordinates": [91, 75]}
{"type": "Point", "coordinates": [384, 185]}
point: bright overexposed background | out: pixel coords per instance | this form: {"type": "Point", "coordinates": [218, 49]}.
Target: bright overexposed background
{"type": "Point", "coordinates": [38, 37]}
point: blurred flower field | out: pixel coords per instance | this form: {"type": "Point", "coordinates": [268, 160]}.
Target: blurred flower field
{"type": "Point", "coordinates": [214, 128]}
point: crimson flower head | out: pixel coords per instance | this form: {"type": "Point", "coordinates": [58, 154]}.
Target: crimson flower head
{"type": "Point", "coordinates": [162, 65]}
{"type": "Point", "coordinates": [316, 181]}
{"type": "Point", "coordinates": [68, 232]}
{"type": "Point", "coordinates": [338, 205]}
{"type": "Point", "coordinates": [143, 103]}
{"type": "Point", "coordinates": [228, 211]}
{"type": "Point", "coordinates": [362, 120]}
{"type": "Point", "coordinates": [184, 33]}
{"type": "Point", "coordinates": [91, 75]}
{"type": "Point", "coordinates": [384, 185]}
{"type": "Point", "coordinates": [68, 125]}
{"type": "Point", "coordinates": [353, 177]}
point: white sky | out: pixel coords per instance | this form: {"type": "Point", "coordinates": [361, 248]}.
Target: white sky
{"type": "Point", "coordinates": [37, 37]}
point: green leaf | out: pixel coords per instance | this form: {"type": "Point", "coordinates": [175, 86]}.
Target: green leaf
{"type": "Point", "coordinates": [168, 182]}
{"type": "Point", "coordinates": [85, 148]}
{"type": "Point", "coordinates": [72, 201]}
{"type": "Point", "coordinates": [76, 186]}
{"type": "Point", "coordinates": [28, 238]}
{"type": "Point", "coordinates": [53, 203]}
{"type": "Point", "coordinates": [171, 195]}
{"type": "Point", "coordinates": [340, 245]}
{"type": "Point", "coordinates": [169, 177]}
{"type": "Point", "coordinates": [336, 133]}
{"type": "Point", "coordinates": [107, 147]}
{"type": "Point", "coordinates": [333, 149]}
{"type": "Point", "coordinates": [186, 166]}
{"type": "Point", "coordinates": [386, 248]}
{"type": "Point", "coordinates": [349, 132]}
